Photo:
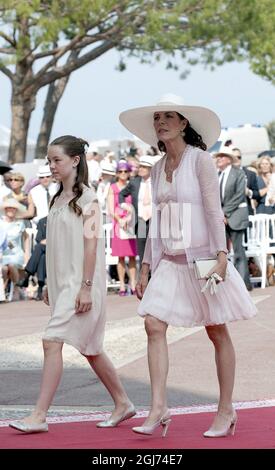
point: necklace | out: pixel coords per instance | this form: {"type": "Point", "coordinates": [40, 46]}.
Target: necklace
{"type": "Point", "coordinates": [171, 167]}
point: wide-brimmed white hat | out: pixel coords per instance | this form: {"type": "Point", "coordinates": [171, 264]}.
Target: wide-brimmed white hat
{"type": "Point", "coordinates": [107, 168]}
{"type": "Point", "coordinates": [44, 170]}
{"type": "Point", "coordinates": [139, 121]}
{"type": "Point", "coordinates": [145, 160]}
{"type": "Point", "coordinates": [11, 202]}
{"type": "Point", "coordinates": [226, 150]}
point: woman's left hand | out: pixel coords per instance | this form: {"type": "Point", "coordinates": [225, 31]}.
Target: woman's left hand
{"type": "Point", "coordinates": [219, 268]}
{"type": "Point", "coordinates": [83, 301]}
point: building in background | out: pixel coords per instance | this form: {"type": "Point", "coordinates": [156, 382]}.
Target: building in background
{"type": "Point", "coordinates": [251, 139]}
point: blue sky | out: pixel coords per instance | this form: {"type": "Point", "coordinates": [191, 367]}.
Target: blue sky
{"type": "Point", "coordinates": [97, 93]}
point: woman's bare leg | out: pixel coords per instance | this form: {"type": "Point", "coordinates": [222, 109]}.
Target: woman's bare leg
{"type": "Point", "coordinates": [132, 271]}
{"type": "Point", "coordinates": [158, 367]}
{"type": "Point", "coordinates": [225, 363]}
{"type": "Point", "coordinates": [121, 272]}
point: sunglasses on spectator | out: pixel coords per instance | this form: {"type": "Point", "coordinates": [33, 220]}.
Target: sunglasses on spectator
{"type": "Point", "coordinates": [239, 157]}
{"type": "Point", "coordinates": [14, 179]}
{"type": "Point", "coordinates": [43, 177]}
{"type": "Point", "coordinates": [123, 171]}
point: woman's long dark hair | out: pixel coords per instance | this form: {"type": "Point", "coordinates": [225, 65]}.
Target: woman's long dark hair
{"type": "Point", "coordinates": [191, 137]}
{"type": "Point", "coordinates": [73, 146]}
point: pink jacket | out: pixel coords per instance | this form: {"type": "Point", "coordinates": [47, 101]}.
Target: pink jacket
{"type": "Point", "coordinates": [197, 187]}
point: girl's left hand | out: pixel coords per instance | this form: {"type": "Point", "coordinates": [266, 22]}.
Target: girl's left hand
{"type": "Point", "coordinates": [83, 301]}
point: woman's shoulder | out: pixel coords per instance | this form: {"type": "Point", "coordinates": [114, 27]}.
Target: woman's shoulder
{"type": "Point", "coordinates": [157, 166]}
{"type": "Point", "coordinates": [199, 153]}
{"type": "Point", "coordinates": [202, 158]}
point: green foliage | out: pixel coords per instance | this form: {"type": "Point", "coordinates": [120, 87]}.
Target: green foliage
{"type": "Point", "coordinates": [208, 31]}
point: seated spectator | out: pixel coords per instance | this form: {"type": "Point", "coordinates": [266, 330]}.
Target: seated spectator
{"type": "Point", "coordinates": [37, 261]}
{"type": "Point", "coordinates": [4, 185]}
{"type": "Point", "coordinates": [270, 196]}
{"type": "Point", "coordinates": [265, 172]}
{"type": "Point", "coordinates": [3, 246]}
{"type": "Point", "coordinates": [16, 182]}
{"type": "Point", "coordinates": [16, 253]}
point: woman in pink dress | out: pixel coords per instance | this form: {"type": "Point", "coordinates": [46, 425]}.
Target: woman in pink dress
{"type": "Point", "coordinates": [123, 241]}
{"type": "Point", "coordinates": [187, 224]}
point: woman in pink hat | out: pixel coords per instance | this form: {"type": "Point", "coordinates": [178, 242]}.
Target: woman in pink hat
{"type": "Point", "coordinates": [123, 242]}
{"type": "Point", "coordinates": [187, 224]}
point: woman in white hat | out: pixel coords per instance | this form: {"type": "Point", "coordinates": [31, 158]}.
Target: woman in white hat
{"type": "Point", "coordinates": [187, 224]}
{"type": "Point", "coordinates": [16, 254]}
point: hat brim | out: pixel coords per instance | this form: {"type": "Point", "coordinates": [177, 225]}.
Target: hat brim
{"type": "Point", "coordinates": [224, 154]}
{"type": "Point", "coordinates": [39, 175]}
{"type": "Point", "coordinates": [20, 208]}
{"type": "Point", "coordinates": [139, 121]}
{"type": "Point", "coordinates": [148, 165]}
{"type": "Point", "coordinates": [108, 172]}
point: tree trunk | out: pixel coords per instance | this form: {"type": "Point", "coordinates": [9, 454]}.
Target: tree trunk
{"type": "Point", "coordinates": [54, 95]}
{"type": "Point", "coordinates": [22, 107]}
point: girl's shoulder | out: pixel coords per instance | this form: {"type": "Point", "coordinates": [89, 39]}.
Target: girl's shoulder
{"type": "Point", "coordinates": [89, 195]}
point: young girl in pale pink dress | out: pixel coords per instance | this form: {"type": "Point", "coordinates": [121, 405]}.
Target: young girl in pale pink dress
{"type": "Point", "coordinates": [187, 224]}
{"type": "Point", "coordinates": [76, 280]}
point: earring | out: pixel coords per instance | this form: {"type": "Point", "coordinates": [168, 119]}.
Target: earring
{"type": "Point", "coordinates": [182, 133]}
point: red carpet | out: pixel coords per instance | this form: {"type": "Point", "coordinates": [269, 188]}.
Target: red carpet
{"type": "Point", "coordinates": [255, 430]}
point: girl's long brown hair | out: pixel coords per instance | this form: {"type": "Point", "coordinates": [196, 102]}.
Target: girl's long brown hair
{"type": "Point", "coordinates": [74, 146]}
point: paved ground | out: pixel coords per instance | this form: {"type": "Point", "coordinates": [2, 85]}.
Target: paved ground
{"type": "Point", "coordinates": [192, 378]}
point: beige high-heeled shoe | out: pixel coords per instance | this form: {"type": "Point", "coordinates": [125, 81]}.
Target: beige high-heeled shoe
{"type": "Point", "coordinates": [112, 423]}
{"type": "Point", "coordinates": [164, 421]}
{"type": "Point", "coordinates": [229, 428]}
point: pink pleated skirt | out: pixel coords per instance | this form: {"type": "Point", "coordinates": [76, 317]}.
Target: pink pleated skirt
{"type": "Point", "coordinates": [174, 296]}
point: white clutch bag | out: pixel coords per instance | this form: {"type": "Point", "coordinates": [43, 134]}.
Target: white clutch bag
{"type": "Point", "coordinates": [126, 234]}
{"type": "Point", "coordinates": [202, 266]}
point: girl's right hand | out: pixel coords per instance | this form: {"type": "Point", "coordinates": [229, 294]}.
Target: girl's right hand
{"type": "Point", "coordinates": [142, 284]}
{"type": "Point", "coordinates": [45, 296]}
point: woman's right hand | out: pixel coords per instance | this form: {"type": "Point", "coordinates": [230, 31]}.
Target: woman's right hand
{"type": "Point", "coordinates": [45, 296]}
{"type": "Point", "coordinates": [142, 283]}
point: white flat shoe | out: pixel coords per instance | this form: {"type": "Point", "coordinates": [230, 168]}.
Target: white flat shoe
{"type": "Point", "coordinates": [112, 423]}
{"type": "Point", "coordinates": [29, 428]}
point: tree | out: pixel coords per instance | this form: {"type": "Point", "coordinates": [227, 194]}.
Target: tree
{"type": "Point", "coordinates": [43, 42]}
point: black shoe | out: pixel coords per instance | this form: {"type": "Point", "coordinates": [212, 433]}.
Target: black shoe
{"type": "Point", "coordinates": [23, 282]}
{"type": "Point", "coordinates": [39, 297]}
{"type": "Point", "coordinates": [249, 287]}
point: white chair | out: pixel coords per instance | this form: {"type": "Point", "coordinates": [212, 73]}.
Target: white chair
{"type": "Point", "coordinates": [260, 237]}
{"type": "Point", "coordinates": [110, 260]}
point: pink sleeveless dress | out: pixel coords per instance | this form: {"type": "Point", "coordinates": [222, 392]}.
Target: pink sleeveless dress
{"type": "Point", "coordinates": [121, 247]}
